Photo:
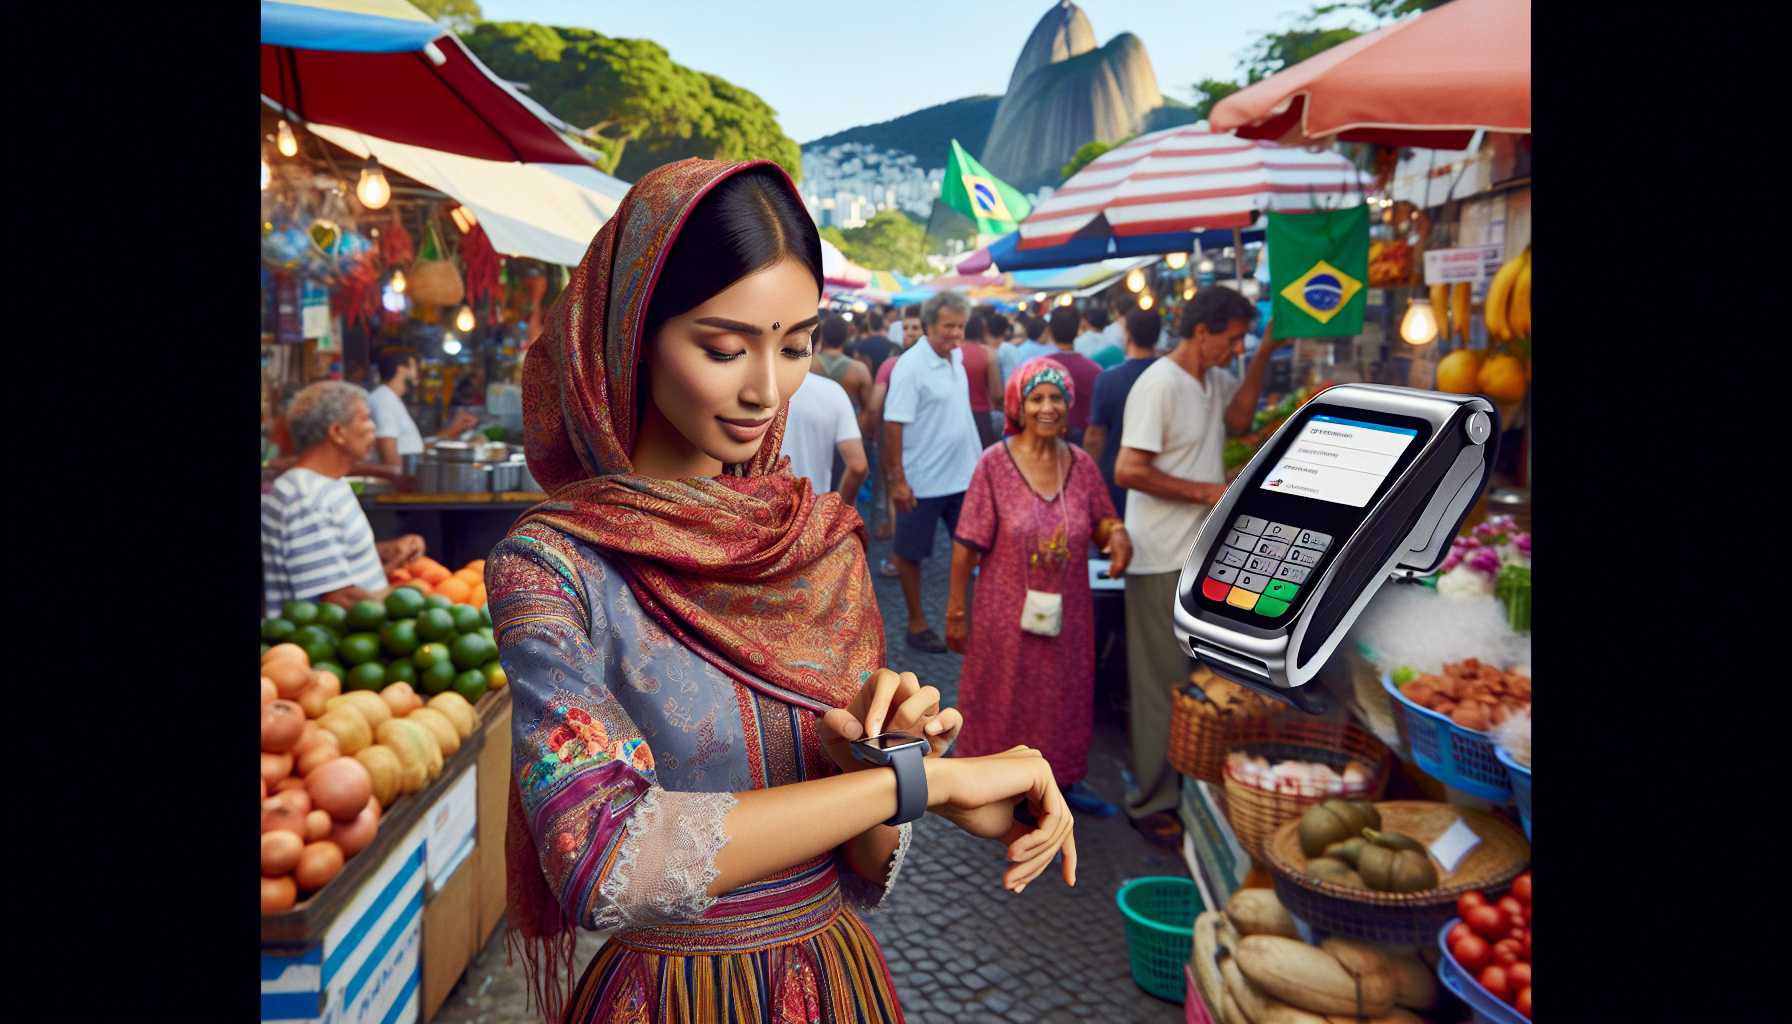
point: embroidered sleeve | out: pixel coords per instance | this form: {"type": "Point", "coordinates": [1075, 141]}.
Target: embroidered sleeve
{"type": "Point", "coordinates": [615, 848]}
{"type": "Point", "coordinates": [861, 892]}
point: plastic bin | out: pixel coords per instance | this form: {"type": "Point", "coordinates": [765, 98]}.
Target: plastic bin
{"type": "Point", "coordinates": [1521, 787]}
{"type": "Point", "coordinates": [1160, 913]}
{"type": "Point", "coordinates": [1457, 757]}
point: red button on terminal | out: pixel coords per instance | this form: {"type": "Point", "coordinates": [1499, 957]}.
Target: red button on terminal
{"type": "Point", "coordinates": [1214, 590]}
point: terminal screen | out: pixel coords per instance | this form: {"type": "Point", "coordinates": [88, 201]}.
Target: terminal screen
{"type": "Point", "coordinates": [1339, 460]}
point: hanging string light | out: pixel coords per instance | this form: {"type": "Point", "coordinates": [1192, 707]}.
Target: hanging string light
{"type": "Point", "coordinates": [267, 173]}
{"type": "Point", "coordinates": [1066, 299]}
{"type": "Point", "coordinates": [1146, 301]}
{"type": "Point", "coordinates": [398, 281]}
{"type": "Point", "coordinates": [1419, 326]}
{"type": "Point", "coordinates": [285, 140]}
{"type": "Point", "coordinates": [373, 190]}
{"type": "Point", "coordinates": [1188, 292]}
{"type": "Point", "coordinates": [451, 345]}
{"type": "Point", "coordinates": [463, 219]}
{"type": "Point", "coordinates": [1135, 280]}
{"type": "Point", "coordinates": [464, 319]}
{"type": "Point", "coordinates": [1176, 260]}
{"type": "Point", "coordinates": [1206, 266]}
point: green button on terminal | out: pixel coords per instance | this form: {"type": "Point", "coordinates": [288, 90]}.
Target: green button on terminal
{"type": "Point", "coordinates": [1270, 607]}
{"type": "Point", "coordinates": [1282, 590]}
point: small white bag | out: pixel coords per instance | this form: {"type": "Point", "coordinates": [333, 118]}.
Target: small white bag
{"type": "Point", "coordinates": [1042, 614]}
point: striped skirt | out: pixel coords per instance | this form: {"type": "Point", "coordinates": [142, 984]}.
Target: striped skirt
{"type": "Point", "coordinates": [785, 951]}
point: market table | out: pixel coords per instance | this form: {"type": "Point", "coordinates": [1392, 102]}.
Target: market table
{"type": "Point", "coordinates": [456, 528]}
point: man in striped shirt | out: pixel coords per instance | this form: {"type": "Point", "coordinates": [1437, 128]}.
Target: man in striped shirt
{"type": "Point", "coordinates": [315, 540]}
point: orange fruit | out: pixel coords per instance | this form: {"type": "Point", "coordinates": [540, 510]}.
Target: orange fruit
{"type": "Point", "coordinates": [454, 589]}
{"type": "Point", "coordinates": [399, 576]}
{"type": "Point", "coordinates": [429, 570]}
{"type": "Point", "coordinates": [477, 565]}
{"type": "Point", "coordinates": [420, 586]}
{"type": "Point", "coordinates": [478, 597]}
{"type": "Point", "coordinates": [470, 578]}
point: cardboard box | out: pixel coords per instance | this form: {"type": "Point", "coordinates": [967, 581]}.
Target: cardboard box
{"type": "Point", "coordinates": [452, 822]}
{"type": "Point", "coordinates": [450, 920]}
{"type": "Point", "coordinates": [494, 812]}
{"type": "Point", "coordinates": [366, 968]}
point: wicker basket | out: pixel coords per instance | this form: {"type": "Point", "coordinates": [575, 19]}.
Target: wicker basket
{"type": "Point", "coordinates": [1203, 715]}
{"type": "Point", "coordinates": [1401, 919]}
{"type": "Point", "coordinates": [1256, 813]}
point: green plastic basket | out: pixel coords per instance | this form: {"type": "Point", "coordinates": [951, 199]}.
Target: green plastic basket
{"type": "Point", "coordinates": [1160, 913]}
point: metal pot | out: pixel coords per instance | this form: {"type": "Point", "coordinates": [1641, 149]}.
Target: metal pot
{"type": "Point", "coordinates": [453, 477]}
{"type": "Point", "coordinates": [407, 464]}
{"type": "Point", "coordinates": [454, 451]}
{"type": "Point", "coordinates": [505, 476]}
{"type": "Point", "coordinates": [491, 451]}
{"type": "Point", "coordinates": [525, 479]}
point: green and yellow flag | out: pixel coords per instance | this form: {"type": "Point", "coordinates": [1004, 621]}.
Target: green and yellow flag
{"type": "Point", "coordinates": [991, 202]}
{"type": "Point", "coordinates": [1318, 270]}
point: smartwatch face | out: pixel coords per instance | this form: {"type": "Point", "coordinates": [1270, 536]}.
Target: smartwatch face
{"type": "Point", "coordinates": [892, 741]}
{"type": "Point", "coordinates": [1295, 513]}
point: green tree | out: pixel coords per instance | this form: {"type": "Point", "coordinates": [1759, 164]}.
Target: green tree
{"type": "Point", "coordinates": [458, 16]}
{"type": "Point", "coordinates": [1080, 159]}
{"type": "Point", "coordinates": [1209, 91]}
{"type": "Point", "coordinates": [889, 241]}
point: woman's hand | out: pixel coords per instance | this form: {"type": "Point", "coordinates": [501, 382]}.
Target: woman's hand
{"type": "Point", "coordinates": [969, 784]}
{"type": "Point", "coordinates": [958, 628]}
{"type": "Point", "coordinates": [917, 711]}
{"type": "Point", "coordinates": [1119, 552]}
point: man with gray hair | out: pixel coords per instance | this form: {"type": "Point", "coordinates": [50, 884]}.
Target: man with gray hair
{"type": "Point", "coordinates": [931, 441]}
{"type": "Point", "coordinates": [316, 542]}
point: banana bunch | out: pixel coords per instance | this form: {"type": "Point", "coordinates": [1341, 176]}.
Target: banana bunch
{"type": "Point", "coordinates": [1450, 304]}
{"type": "Point", "coordinates": [1508, 307]}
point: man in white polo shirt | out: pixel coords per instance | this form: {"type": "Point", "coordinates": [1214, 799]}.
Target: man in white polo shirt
{"type": "Point", "coordinates": [821, 423]}
{"type": "Point", "coordinates": [928, 419]}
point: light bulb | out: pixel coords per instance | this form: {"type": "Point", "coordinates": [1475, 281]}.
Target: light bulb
{"type": "Point", "coordinates": [1066, 299]}
{"type": "Point", "coordinates": [847, 317]}
{"type": "Point", "coordinates": [284, 139]}
{"type": "Point", "coordinates": [1188, 293]}
{"type": "Point", "coordinates": [859, 307]}
{"type": "Point", "coordinates": [451, 345]}
{"type": "Point", "coordinates": [398, 281]}
{"type": "Point", "coordinates": [463, 219]}
{"type": "Point", "coordinates": [373, 190]}
{"type": "Point", "coordinates": [1146, 301]}
{"type": "Point", "coordinates": [464, 319]}
{"type": "Point", "coordinates": [1419, 326]}
{"type": "Point", "coordinates": [1176, 260]}
{"type": "Point", "coordinates": [267, 173]}
{"type": "Point", "coordinates": [1038, 296]}
{"type": "Point", "coordinates": [1135, 280]}
{"type": "Point", "coordinates": [1206, 266]}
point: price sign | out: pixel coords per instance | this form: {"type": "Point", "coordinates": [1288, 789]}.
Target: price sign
{"type": "Point", "coordinates": [1474, 263]}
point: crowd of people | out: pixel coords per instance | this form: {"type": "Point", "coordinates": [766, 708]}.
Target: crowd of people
{"type": "Point", "coordinates": [1038, 441]}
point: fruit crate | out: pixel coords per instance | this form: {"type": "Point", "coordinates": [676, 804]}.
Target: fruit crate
{"type": "Point", "coordinates": [1521, 787]}
{"type": "Point", "coordinates": [1486, 1007]}
{"type": "Point", "coordinates": [1461, 758]}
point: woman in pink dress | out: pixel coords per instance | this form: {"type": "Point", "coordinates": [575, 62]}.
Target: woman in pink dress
{"type": "Point", "coordinates": [1034, 505]}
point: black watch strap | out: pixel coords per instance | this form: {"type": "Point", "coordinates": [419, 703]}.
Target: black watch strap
{"type": "Point", "coordinates": [911, 785]}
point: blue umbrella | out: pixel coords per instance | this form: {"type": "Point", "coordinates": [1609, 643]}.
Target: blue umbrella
{"type": "Point", "coordinates": [1008, 255]}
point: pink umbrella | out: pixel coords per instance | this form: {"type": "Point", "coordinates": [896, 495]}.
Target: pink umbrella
{"type": "Point", "coordinates": [977, 262]}
{"type": "Point", "coordinates": [837, 269]}
{"type": "Point", "coordinates": [1190, 179]}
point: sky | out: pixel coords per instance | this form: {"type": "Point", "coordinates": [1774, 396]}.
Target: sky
{"type": "Point", "coordinates": [827, 66]}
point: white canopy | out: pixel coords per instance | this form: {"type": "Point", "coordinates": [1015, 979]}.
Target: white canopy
{"type": "Point", "coordinates": [540, 211]}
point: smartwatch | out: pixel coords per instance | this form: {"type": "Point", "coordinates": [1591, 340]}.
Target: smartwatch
{"type": "Point", "coordinates": [903, 752]}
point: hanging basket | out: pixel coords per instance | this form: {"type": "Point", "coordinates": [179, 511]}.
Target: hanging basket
{"type": "Point", "coordinates": [436, 283]}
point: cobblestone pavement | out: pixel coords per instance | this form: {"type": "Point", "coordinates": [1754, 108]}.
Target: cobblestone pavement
{"type": "Point", "coordinates": [960, 947]}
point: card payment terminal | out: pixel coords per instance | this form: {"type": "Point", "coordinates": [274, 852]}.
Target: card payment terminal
{"type": "Point", "coordinates": [1364, 481]}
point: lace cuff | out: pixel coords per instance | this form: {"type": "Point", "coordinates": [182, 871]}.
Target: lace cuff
{"type": "Point", "coordinates": [666, 861]}
{"type": "Point", "coordinates": [864, 894]}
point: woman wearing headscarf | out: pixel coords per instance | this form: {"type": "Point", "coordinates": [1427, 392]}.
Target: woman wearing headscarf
{"type": "Point", "coordinates": [1034, 505]}
{"type": "Point", "coordinates": [692, 642]}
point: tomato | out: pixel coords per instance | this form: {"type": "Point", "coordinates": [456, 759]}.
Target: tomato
{"type": "Point", "coordinates": [1523, 1003]}
{"type": "Point", "coordinates": [1457, 930]}
{"type": "Point", "coordinates": [1521, 888]}
{"type": "Point", "coordinates": [1514, 925]}
{"type": "Point", "coordinates": [1506, 952]}
{"type": "Point", "coordinates": [1486, 922]}
{"type": "Point", "coordinates": [1527, 945]}
{"type": "Point", "coordinates": [1520, 973]}
{"type": "Point", "coordinates": [1467, 902]}
{"type": "Point", "coordinates": [1527, 916]}
{"type": "Point", "coordinates": [1509, 905]}
{"type": "Point", "coordinates": [1494, 980]}
{"type": "Point", "coordinates": [1472, 952]}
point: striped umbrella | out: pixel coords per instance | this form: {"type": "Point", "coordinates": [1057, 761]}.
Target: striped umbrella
{"type": "Point", "coordinates": [1189, 179]}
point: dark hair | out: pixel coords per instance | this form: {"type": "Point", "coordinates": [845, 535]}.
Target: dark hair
{"type": "Point", "coordinates": [874, 322]}
{"type": "Point", "coordinates": [834, 330]}
{"type": "Point", "coordinates": [392, 359]}
{"type": "Point", "coordinates": [996, 326]}
{"type": "Point", "coordinates": [1035, 327]}
{"type": "Point", "coordinates": [1215, 308]}
{"type": "Point", "coordinates": [912, 311]}
{"type": "Point", "coordinates": [1064, 324]}
{"type": "Point", "coordinates": [1143, 327]}
{"type": "Point", "coordinates": [1097, 317]}
{"type": "Point", "coordinates": [746, 223]}
{"type": "Point", "coordinates": [973, 328]}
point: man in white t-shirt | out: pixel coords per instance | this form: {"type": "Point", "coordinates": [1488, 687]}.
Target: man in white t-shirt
{"type": "Point", "coordinates": [1172, 446]}
{"type": "Point", "coordinates": [821, 422]}
{"type": "Point", "coordinates": [395, 433]}
{"type": "Point", "coordinates": [928, 420]}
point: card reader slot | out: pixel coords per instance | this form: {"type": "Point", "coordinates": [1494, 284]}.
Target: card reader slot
{"type": "Point", "coordinates": [1249, 672]}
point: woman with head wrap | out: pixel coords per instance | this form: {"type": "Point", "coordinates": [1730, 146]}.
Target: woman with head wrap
{"type": "Point", "coordinates": [1034, 505]}
{"type": "Point", "coordinates": [692, 642]}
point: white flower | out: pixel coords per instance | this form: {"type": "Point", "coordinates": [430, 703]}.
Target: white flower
{"type": "Point", "coordinates": [1464, 582]}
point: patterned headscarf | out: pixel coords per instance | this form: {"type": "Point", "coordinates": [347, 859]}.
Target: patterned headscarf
{"type": "Point", "coordinates": [752, 570]}
{"type": "Point", "coordinates": [1032, 373]}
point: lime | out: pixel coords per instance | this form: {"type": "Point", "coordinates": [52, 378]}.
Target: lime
{"type": "Point", "coordinates": [399, 638]}
{"type": "Point", "coordinates": [366, 676]}
{"type": "Point", "coordinates": [299, 613]}
{"type": "Point", "coordinates": [487, 633]}
{"type": "Point", "coordinates": [485, 613]}
{"type": "Point", "coordinates": [278, 630]}
{"type": "Point", "coordinates": [436, 678]}
{"type": "Point", "coordinates": [359, 648]}
{"type": "Point", "coordinates": [472, 651]}
{"type": "Point", "coordinates": [331, 667]}
{"type": "Point", "coordinates": [319, 650]}
{"type": "Point", "coordinates": [366, 615]}
{"type": "Point", "coordinates": [430, 655]}
{"type": "Point", "coordinates": [404, 603]}
{"type": "Point", "coordinates": [466, 618]}
{"type": "Point", "coordinates": [435, 624]}
{"type": "Point", "coordinates": [332, 616]}
{"type": "Point", "coordinates": [438, 601]}
{"type": "Point", "coordinates": [305, 636]}
{"type": "Point", "coordinates": [401, 670]}
{"type": "Point", "coordinates": [495, 676]}
{"type": "Point", "coordinates": [470, 684]}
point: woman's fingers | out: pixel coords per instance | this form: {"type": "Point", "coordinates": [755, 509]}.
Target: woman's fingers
{"type": "Point", "coordinates": [945, 725]}
{"type": "Point", "coordinates": [838, 725]}
{"type": "Point", "coordinates": [889, 687]}
{"type": "Point", "coordinates": [1070, 858]}
{"type": "Point", "coordinates": [924, 703]}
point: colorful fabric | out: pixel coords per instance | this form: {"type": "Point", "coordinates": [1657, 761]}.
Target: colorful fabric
{"type": "Point", "coordinates": [1018, 687]}
{"type": "Point", "coordinates": [1031, 374]}
{"type": "Point", "coordinates": [752, 571]}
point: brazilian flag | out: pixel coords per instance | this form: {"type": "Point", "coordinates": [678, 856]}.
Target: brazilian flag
{"type": "Point", "coordinates": [1318, 270]}
{"type": "Point", "coordinates": [988, 200]}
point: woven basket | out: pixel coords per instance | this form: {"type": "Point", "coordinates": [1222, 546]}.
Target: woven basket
{"type": "Point", "coordinates": [1256, 813]}
{"type": "Point", "coordinates": [1401, 919]}
{"type": "Point", "coordinates": [1203, 716]}
{"type": "Point", "coordinates": [436, 283]}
